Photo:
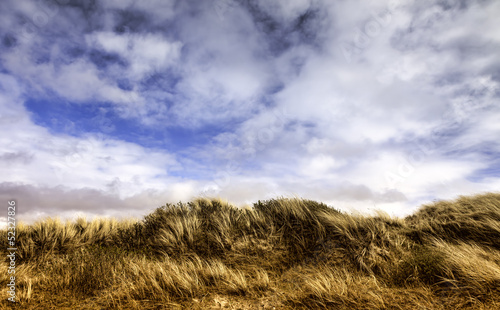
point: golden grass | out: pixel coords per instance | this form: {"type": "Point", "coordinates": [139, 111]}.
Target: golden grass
{"type": "Point", "coordinates": [282, 253]}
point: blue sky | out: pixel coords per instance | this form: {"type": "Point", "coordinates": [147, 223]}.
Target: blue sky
{"type": "Point", "coordinates": [115, 107]}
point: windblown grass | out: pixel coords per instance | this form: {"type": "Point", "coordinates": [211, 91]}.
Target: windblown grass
{"type": "Point", "coordinates": [283, 253]}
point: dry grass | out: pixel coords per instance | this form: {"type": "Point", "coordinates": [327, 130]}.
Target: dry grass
{"type": "Point", "coordinates": [282, 253]}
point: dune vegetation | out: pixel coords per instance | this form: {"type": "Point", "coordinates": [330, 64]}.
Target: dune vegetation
{"type": "Point", "coordinates": [279, 254]}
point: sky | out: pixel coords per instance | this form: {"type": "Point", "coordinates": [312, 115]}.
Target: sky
{"type": "Point", "coordinates": [116, 107]}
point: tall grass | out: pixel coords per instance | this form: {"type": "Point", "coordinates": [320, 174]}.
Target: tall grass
{"type": "Point", "coordinates": [288, 253]}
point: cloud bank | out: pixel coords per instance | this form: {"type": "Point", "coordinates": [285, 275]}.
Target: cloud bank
{"type": "Point", "coordinates": [111, 106]}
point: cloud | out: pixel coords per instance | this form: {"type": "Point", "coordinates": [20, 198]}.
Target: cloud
{"type": "Point", "coordinates": [380, 105]}
{"type": "Point", "coordinates": [11, 158]}
{"type": "Point", "coordinates": [143, 53]}
{"type": "Point", "coordinates": [37, 202]}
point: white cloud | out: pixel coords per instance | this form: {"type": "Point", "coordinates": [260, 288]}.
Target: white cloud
{"type": "Point", "coordinates": [144, 52]}
{"type": "Point", "coordinates": [319, 166]}
{"type": "Point", "coordinates": [95, 161]}
{"type": "Point", "coordinates": [295, 112]}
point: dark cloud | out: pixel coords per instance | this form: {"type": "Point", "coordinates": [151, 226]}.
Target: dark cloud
{"type": "Point", "coordinates": [55, 201]}
{"type": "Point", "coordinates": [454, 4]}
{"type": "Point", "coordinates": [103, 59]}
{"type": "Point", "coordinates": [281, 35]}
{"type": "Point", "coordinates": [130, 20]}
{"type": "Point", "coordinates": [17, 157]}
{"type": "Point", "coordinates": [309, 25]}
{"type": "Point", "coordinates": [9, 40]}
{"type": "Point", "coordinates": [90, 13]}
